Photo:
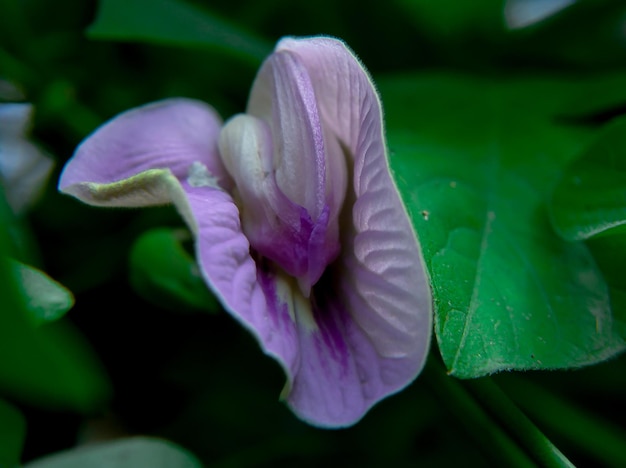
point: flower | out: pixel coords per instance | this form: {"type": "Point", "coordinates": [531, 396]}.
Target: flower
{"type": "Point", "coordinates": [300, 231]}
{"type": "Point", "coordinates": [24, 168]}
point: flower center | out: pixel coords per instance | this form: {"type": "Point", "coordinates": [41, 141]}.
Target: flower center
{"type": "Point", "coordinates": [300, 237]}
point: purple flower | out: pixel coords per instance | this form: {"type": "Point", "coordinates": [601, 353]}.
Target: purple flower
{"type": "Point", "coordinates": [299, 228]}
{"type": "Point", "coordinates": [24, 168]}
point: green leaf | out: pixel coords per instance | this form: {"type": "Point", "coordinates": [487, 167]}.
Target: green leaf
{"type": "Point", "coordinates": [474, 160]}
{"type": "Point", "coordinates": [176, 23]}
{"type": "Point", "coordinates": [12, 433]}
{"type": "Point", "coordinates": [45, 299]}
{"type": "Point", "coordinates": [610, 254]}
{"type": "Point", "coordinates": [163, 273]}
{"type": "Point", "coordinates": [590, 197]}
{"type": "Point", "coordinates": [125, 453]}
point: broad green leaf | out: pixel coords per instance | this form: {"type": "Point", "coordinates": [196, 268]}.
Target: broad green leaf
{"type": "Point", "coordinates": [12, 433]}
{"type": "Point", "coordinates": [45, 299]}
{"type": "Point", "coordinates": [590, 197]}
{"type": "Point", "coordinates": [134, 452]}
{"type": "Point", "coordinates": [48, 365]}
{"type": "Point", "coordinates": [163, 273]}
{"type": "Point", "coordinates": [176, 23]}
{"type": "Point", "coordinates": [474, 160]}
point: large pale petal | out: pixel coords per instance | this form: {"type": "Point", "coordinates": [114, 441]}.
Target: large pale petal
{"type": "Point", "coordinates": [383, 276]}
{"type": "Point", "coordinates": [290, 108]}
{"type": "Point", "coordinates": [173, 134]}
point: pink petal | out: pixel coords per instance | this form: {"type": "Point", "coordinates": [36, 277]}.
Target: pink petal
{"type": "Point", "coordinates": [308, 170]}
{"type": "Point", "coordinates": [150, 155]}
{"type": "Point", "coordinates": [223, 253]}
{"type": "Point", "coordinates": [382, 285]}
{"type": "Point", "coordinates": [172, 134]}
{"type": "Point", "coordinates": [370, 317]}
{"type": "Point", "coordinates": [287, 103]}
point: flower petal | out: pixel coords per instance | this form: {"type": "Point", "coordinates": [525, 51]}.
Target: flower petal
{"type": "Point", "coordinates": [309, 165]}
{"type": "Point", "coordinates": [283, 96]}
{"type": "Point", "coordinates": [384, 264]}
{"type": "Point", "coordinates": [337, 375]}
{"type": "Point", "coordinates": [276, 227]}
{"type": "Point", "coordinates": [172, 134]}
{"type": "Point", "coordinates": [24, 168]}
{"type": "Point", "coordinates": [167, 152]}
{"type": "Point", "coordinates": [373, 319]}
{"type": "Point", "coordinates": [223, 253]}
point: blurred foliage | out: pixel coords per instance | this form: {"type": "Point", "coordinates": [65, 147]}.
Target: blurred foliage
{"type": "Point", "coordinates": [510, 109]}
{"type": "Point", "coordinates": [124, 453]}
{"type": "Point", "coordinates": [42, 364]}
{"type": "Point", "coordinates": [46, 300]}
{"type": "Point", "coordinates": [172, 22]}
{"type": "Point", "coordinates": [12, 433]}
{"type": "Point", "coordinates": [164, 274]}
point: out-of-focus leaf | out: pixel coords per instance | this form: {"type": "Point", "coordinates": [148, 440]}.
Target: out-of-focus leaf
{"type": "Point", "coordinates": [49, 365]}
{"type": "Point", "coordinates": [474, 160]}
{"type": "Point", "coordinates": [163, 273]}
{"type": "Point", "coordinates": [586, 33]}
{"type": "Point", "coordinates": [125, 453]}
{"type": "Point", "coordinates": [590, 197]}
{"type": "Point", "coordinates": [176, 23]}
{"type": "Point", "coordinates": [610, 254]}
{"type": "Point", "coordinates": [597, 100]}
{"type": "Point", "coordinates": [450, 17]}
{"type": "Point", "coordinates": [12, 433]}
{"type": "Point", "coordinates": [45, 299]}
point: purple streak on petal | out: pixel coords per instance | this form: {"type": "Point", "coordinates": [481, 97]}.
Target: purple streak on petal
{"type": "Point", "coordinates": [341, 374]}
{"type": "Point", "coordinates": [303, 250]}
{"type": "Point", "coordinates": [170, 134]}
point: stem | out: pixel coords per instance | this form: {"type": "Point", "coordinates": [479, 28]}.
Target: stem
{"type": "Point", "coordinates": [589, 433]}
{"type": "Point", "coordinates": [491, 439]}
{"type": "Point", "coordinates": [529, 437]}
